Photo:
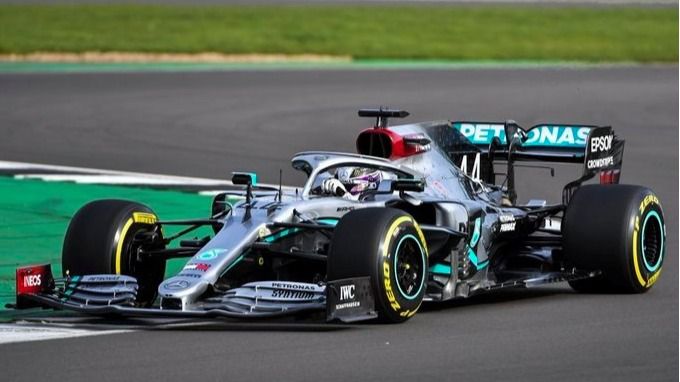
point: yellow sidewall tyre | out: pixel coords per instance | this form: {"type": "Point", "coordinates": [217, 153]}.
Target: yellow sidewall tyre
{"type": "Point", "coordinates": [387, 245]}
{"type": "Point", "coordinates": [99, 240]}
{"type": "Point", "coordinates": [618, 230]}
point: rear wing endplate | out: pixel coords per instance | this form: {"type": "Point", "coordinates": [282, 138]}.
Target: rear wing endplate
{"type": "Point", "coordinates": [596, 147]}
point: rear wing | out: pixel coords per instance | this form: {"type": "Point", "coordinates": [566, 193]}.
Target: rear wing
{"type": "Point", "coordinates": [596, 147]}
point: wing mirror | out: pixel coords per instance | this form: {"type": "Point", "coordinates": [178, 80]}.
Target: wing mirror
{"type": "Point", "coordinates": [413, 185]}
{"type": "Point", "coordinates": [244, 178]}
{"type": "Point", "coordinates": [388, 186]}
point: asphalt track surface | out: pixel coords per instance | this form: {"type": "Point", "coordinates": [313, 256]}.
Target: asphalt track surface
{"type": "Point", "coordinates": [207, 124]}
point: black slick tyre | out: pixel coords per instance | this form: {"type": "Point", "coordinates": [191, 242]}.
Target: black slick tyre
{"type": "Point", "coordinates": [618, 230]}
{"type": "Point", "coordinates": [101, 240]}
{"type": "Point", "coordinates": [387, 245]}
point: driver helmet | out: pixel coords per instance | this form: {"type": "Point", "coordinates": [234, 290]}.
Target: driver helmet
{"type": "Point", "coordinates": [359, 179]}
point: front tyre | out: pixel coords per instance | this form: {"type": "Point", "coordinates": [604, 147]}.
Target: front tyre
{"type": "Point", "coordinates": [103, 238]}
{"type": "Point", "coordinates": [619, 230]}
{"type": "Point", "coordinates": [387, 245]}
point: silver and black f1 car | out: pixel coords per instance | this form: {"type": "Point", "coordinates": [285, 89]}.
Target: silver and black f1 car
{"type": "Point", "coordinates": [417, 215]}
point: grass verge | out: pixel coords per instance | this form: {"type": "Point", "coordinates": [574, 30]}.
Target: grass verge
{"type": "Point", "coordinates": [603, 34]}
{"type": "Point", "coordinates": [34, 216]}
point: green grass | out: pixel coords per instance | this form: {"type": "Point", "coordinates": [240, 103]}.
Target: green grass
{"type": "Point", "coordinates": [34, 216]}
{"type": "Point", "coordinates": [363, 32]}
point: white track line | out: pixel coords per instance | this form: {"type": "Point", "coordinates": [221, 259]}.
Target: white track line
{"type": "Point", "coordinates": [9, 165]}
{"type": "Point", "coordinates": [13, 333]}
{"type": "Point", "coordinates": [122, 179]}
{"type": "Point", "coordinates": [86, 175]}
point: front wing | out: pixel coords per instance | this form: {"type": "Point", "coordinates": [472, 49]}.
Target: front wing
{"type": "Point", "coordinates": [105, 295]}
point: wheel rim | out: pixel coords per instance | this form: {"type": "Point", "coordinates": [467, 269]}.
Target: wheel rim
{"type": "Point", "coordinates": [139, 269]}
{"type": "Point", "coordinates": [130, 246]}
{"type": "Point", "coordinates": [409, 265]}
{"type": "Point", "coordinates": [652, 241]}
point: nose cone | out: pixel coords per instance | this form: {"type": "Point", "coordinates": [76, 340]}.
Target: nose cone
{"type": "Point", "coordinates": [182, 288]}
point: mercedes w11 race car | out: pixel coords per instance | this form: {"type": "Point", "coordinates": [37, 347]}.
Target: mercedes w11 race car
{"type": "Point", "coordinates": [418, 214]}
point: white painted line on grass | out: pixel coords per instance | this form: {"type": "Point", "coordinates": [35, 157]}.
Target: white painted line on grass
{"type": "Point", "coordinates": [121, 179]}
{"type": "Point", "coordinates": [84, 175]}
{"type": "Point", "coordinates": [9, 165]}
{"type": "Point", "coordinates": [13, 333]}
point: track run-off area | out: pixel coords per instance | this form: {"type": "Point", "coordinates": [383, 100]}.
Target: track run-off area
{"type": "Point", "coordinates": [208, 124]}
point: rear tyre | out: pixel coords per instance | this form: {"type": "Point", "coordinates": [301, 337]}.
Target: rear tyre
{"type": "Point", "coordinates": [101, 240]}
{"type": "Point", "coordinates": [387, 245]}
{"type": "Point", "coordinates": [619, 230]}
